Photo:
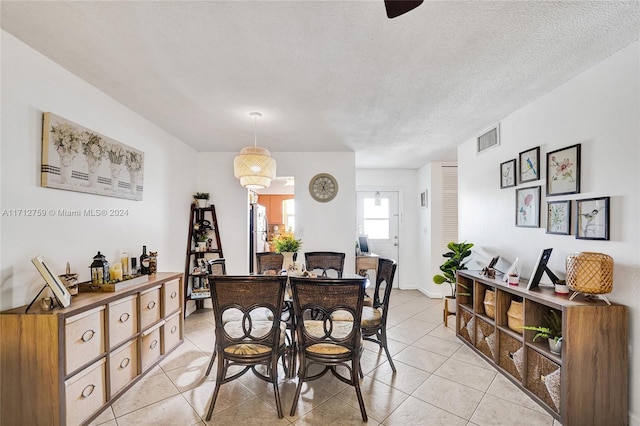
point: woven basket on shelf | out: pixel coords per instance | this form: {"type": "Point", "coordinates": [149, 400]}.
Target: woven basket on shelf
{"type": "Point", "coordinates": [589, 272]}
{"type": "Point", "coordinates": [490, 304]}
{"type": "Point", "coordinates": [514, 316]}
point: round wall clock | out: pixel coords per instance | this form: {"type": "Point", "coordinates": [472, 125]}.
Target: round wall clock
{"type": "Point", "coordinates": [323, 187]}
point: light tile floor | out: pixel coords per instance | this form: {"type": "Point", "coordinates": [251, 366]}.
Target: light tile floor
{"type": "Point", "coordinates": [439, 381]}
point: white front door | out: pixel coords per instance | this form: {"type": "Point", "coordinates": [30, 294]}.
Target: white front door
{"type": "Point", "coordinates": [378, 219]}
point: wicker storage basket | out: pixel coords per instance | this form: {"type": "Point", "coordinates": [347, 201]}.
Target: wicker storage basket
{"type": "Point", "coordinates": [490, 304]}
{"type": "Point", "coordinates": [514, 316]}
{"type": "Point", "coordinates": [589, 272]}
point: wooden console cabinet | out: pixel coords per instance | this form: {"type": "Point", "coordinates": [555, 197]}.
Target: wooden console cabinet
{"type": "Point", "coordinates": [587, 384]}
{"type": "Point", "coordinates": [63, 367]}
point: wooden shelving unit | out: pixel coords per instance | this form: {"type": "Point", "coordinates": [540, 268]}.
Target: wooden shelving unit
{"type": "Point", "coordinates": [587, 384]}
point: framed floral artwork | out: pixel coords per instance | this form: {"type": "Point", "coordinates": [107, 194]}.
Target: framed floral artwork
{"type": "Point", "coordinates": [528, 207]}
{"type": "Point", "coordinates": [559, 217]}
{"type": "Point", "coordinates": [79, 159]}
{"type": "Point", "coordinates": [508, 174]}
{"type": "Point", "coordinates": [592, 219]}
{"type": "Point", "coordinates": [563, 171]}
{"type": "Point", "coordinates": [529, 163]}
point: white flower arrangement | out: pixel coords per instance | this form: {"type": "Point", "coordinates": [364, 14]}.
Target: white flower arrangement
{"type": "Point", "coordinates": [65, 139]}
{"type": "Point", "coordinates": [116, 154]}
{"type": "Point", "coordinates": [93, 146]}
{"type": "Point", "coordinates": [134, 161]}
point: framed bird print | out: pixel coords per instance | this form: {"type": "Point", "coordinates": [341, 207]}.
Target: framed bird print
{"type": "Point", "coordinates": [563, 171]}
{"type": "Point", "coordinates": [529, 165]}
{"type": "Point", "coordinates": [508, 174]}
{"type": "Point", "coordinates": [592, 219]}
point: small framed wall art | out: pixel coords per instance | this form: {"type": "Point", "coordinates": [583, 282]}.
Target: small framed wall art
{"type": "Point", "coordinates": [563, 171]}
{"type": "Point", "coordinates": [528, 207]}
{"type": "Point", "coordinates": [592, 219]}
{"type": "Point", "coordinates": [529, 162]}
{"type": "Point", "coordinates": [559, 217]}
{"type": "Point", "coordinates": [508, 174]}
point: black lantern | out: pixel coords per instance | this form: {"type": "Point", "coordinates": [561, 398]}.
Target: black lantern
{"type": "Point", "coordinates": [99, 269]}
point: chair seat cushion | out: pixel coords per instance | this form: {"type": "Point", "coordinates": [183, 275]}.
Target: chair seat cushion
{"type": "Point", "coordinates": [260, 328]}
{"type": "Point", "coordinates": [371, 317]}
{"type": "Point", "coordinates": [327, 349]}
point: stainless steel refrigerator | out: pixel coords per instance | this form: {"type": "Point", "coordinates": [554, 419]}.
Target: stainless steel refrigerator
{"type": "Point", "coordinates": [258, 227]}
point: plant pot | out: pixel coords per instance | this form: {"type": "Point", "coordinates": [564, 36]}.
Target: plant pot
{"type": "Point", "coordinates": [555, 346]}
{"type": "Point", "coordinates": [202, 245]}
{"type": "Point", "coordinates": [561, 288]}
{"type": "Point", "coordinates": [287, 262]}
{"type": "Point", "coordinates": [451, 304]}
{"type": "Point", "coordinates": [202, 202]}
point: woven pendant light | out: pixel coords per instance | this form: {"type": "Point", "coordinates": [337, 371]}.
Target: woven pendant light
{"type": "Point", "coordinates": [254, 166]}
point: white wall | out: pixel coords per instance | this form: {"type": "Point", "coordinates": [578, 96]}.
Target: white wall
{"type": "Point", "coordinates": [404, 181]}
{"type": "Point", "coordinates": [31, 85]}
{"type": "Point", "coordinates": [321, 226]}
{"type": "Point", "coordinates": [601, 110]}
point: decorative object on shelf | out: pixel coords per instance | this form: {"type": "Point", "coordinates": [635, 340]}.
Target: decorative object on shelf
{"type": "Point", "coordinates": [490, 303]}
{"type": "Point", "coordinates": [552, 331]}
{"type": "Point", "coordinates": [563, 171]}
{"type": "Point", "coordinates": [124, 259]}
{"type": "Point", "coordinates": [99, 269]}
{"type": "Point", "coordinates": [115, 272]}
{"type": "Point", "coordinates": [508, 174]}
{"type": "Point", "coordinates": [201, 198]}
{"type": "Point", "coordinates": [153, 262]}
{"type": "Point", "coordinates": [559, 217]}
{"type": "Point", "coordinates": [561, 287]}
{"type": "Point", "coordinates": [254, 166]}
{"type": "Point", "coordinates": [287, 245]}
{"type": "Point", "coordinates": [513, 278]}
{"type": "Point", "coordinates": [514, 316]}
{"type": "Point", "coordinates": [528, 207]}
{"type": "Point", "coordinates": [323, 187]}
{"type": "Point", "coordinates": [70, 281]}
{"type": "Point", "coordinates": [110, 287]}
{"type": "Point", "coordinates": [529, 165]}
{"type": "Point", "coordinates": [144, 261]}
{"type": "Point", "coordinates": [590, 273]}
{"type": "Point", "coordinates": [592, 219]}
{"type": "Point", "coordinates": [78, 159]}
{"type": "Point", "coordinates": [513, 269]}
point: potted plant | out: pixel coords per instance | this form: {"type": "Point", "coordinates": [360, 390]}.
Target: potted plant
{"type": "Point", "coordinates": [552, 331]}
{"type": "Point", "coordinates": [201, 239]}
{"type": "Point", "coordinates": [201, 198]}
{"type": "Point", "coordinates": [287, 245]}
{"type": "Point", "coordinates": [456, 256]}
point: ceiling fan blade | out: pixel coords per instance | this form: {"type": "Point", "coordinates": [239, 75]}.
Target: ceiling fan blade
{"type": "Point", "coordinates": [399, 7]}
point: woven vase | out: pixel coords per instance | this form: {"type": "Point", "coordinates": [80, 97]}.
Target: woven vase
{"type": "Point", "coordinates": [490, 304]}
{"type": "Point", "coordinates": [514, 316]}
{"type": "Point", "coordinates": [589, 272]}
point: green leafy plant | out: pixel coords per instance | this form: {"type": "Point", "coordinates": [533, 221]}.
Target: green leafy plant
{"type": "Point", "coordinates": [455, 262]}
{"type": "Point", "coordinates": [201, 195]}
{"type": "Point", "coordinates": [286, 243]}
{"type": "Point", "coordinates": [201, 236]}
{"type": "Point", "coordinates": [553, 330]}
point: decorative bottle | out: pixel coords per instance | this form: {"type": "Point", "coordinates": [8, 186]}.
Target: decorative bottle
{"type": "Point", "coordinates": [144, 261]}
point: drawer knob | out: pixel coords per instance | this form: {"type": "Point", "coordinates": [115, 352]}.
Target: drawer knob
{"type": "Point", "coordinates": [124, 317]}
{"type": "Point", "coordinates": [174, 294]}
{"type": "Point", "coordinates": [174, 329]}
{"type": "Point", "coordinates": [88, 335]}
{"type": "Point", "coordinates": [87, 391]}
{"type": "Point", "coordinates": [125, 363]}
{"type": "Point", "coordinates": [153, 344]}
{"type": "Point", "coordinates": [151, 304]}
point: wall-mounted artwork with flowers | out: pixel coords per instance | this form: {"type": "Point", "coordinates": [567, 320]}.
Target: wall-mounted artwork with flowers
{"type": "Point", "coordinates": [563, 171]}
{"type": "Point", "coordinates": [78, 159]}
{"type": "Point", "coordinates": [528, 207]}
{"type": "Point", "coordinates": [559, 217]}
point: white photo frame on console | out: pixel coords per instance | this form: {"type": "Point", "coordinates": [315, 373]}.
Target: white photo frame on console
{"type": "Point", "coordinates": [511, 269]}
{"type": "Point", "coordinates": [59, 290]}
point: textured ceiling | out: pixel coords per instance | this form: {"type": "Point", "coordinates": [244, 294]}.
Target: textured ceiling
{"type": "Point", "coordinates": [327, 75]}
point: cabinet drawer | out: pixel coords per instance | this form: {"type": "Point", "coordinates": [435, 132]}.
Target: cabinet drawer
{"type": "Point", "coordinates": [123, 366]}
{"type": "Point", "coordinates": [511, 355]}
{"type": "Point", "coordinates": [150, 348]}
{"type": "Point", "coordinates": [171, 333]}
{"type": "Point", "coordinates": [171, 297]}
{"type": "Point", "coordinates": [85, 393]}
{"type": "Point", "coordinates": [123, 320]}
{"type": "Point", "coordinates": [149, 307]}
{"type": "Point", "coordinates": [543, 378]}
{"type": "Point", "coordinates": [485, 338]}
{"type": "Point", "coordinates": [84, 338]}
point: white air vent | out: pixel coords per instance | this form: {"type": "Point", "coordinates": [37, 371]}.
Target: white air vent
{"type": "Point", "coordinates": [489, 139]}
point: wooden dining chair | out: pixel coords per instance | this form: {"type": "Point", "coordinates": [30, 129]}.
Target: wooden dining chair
{"type": "Point", "coordinates": [248, 342]}
{"type": "Point", "coordinates": [323, 341]}
{"type": "Point", "coordinates": [324, 261]}
{"type": "Point", "coordinates": [269, 263]}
